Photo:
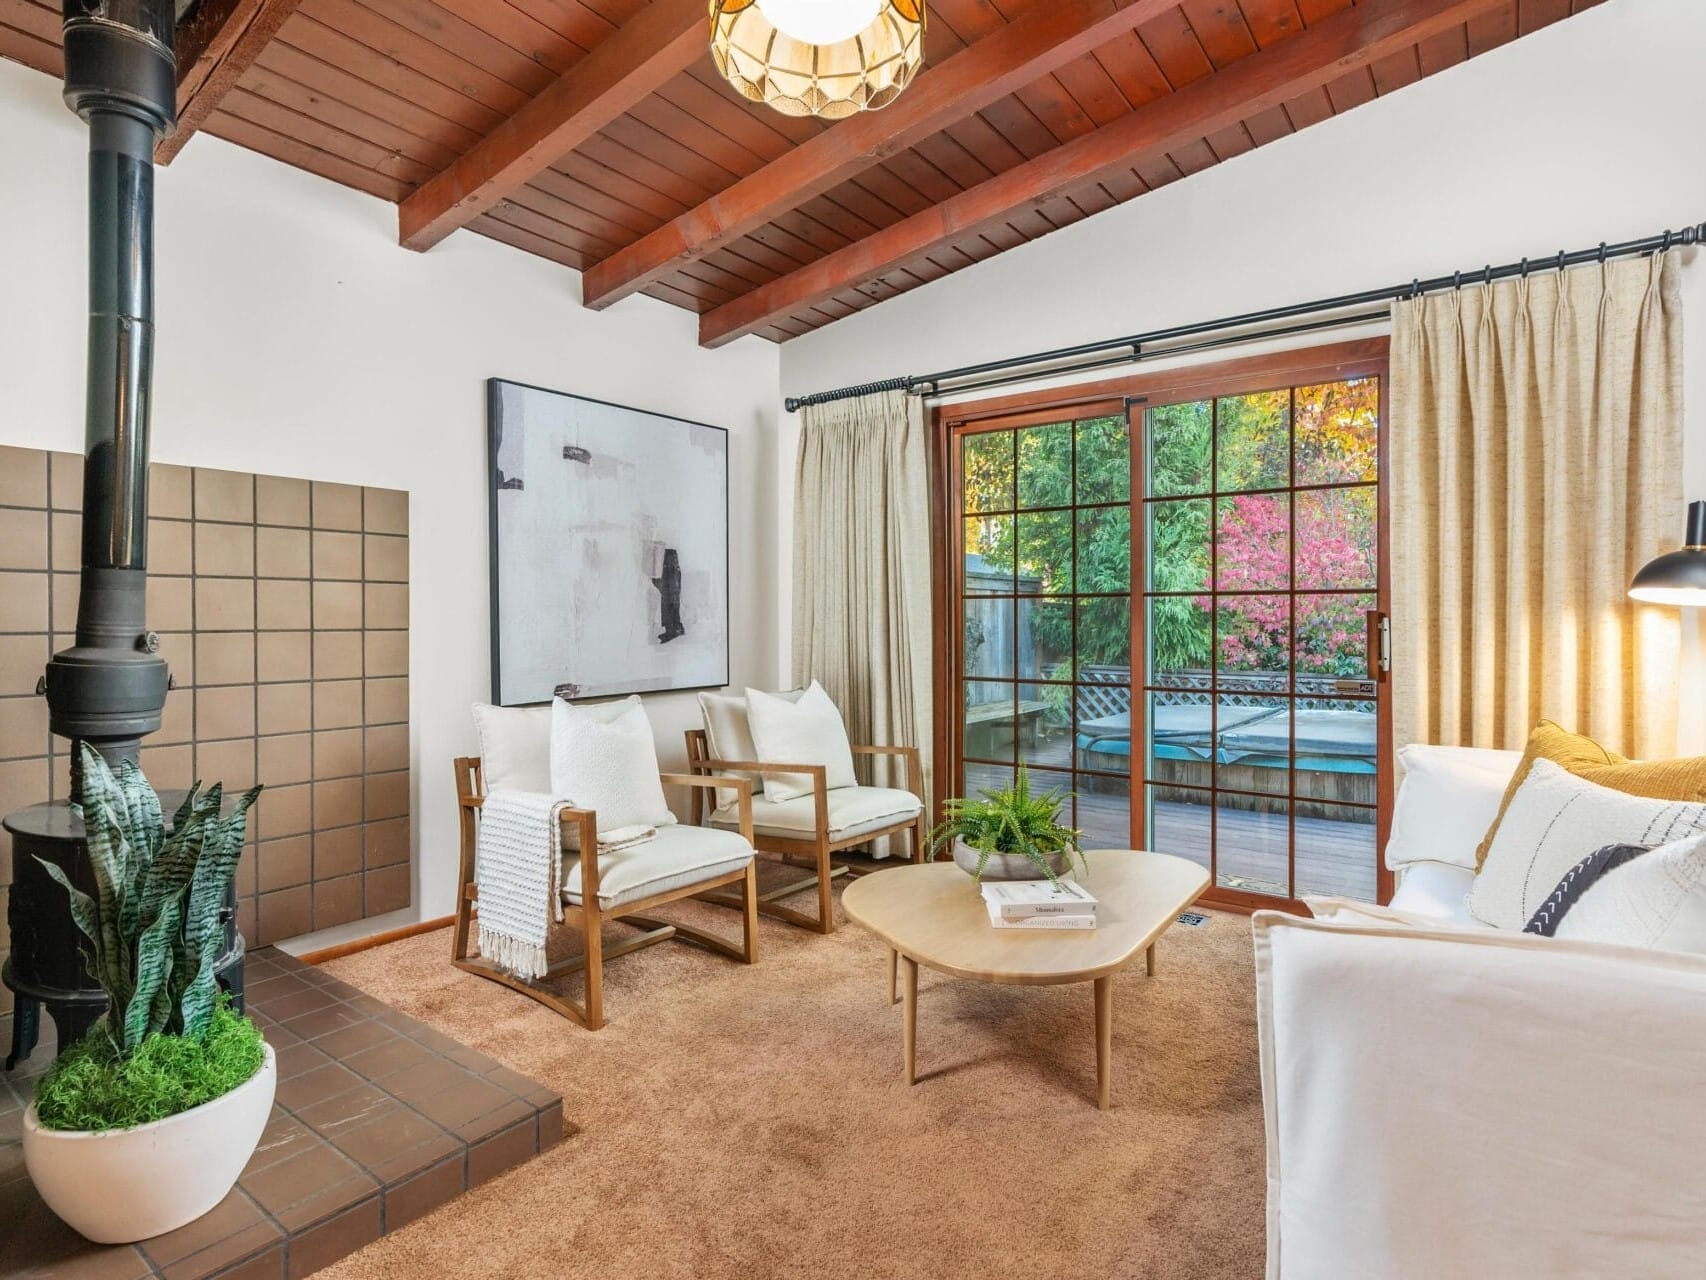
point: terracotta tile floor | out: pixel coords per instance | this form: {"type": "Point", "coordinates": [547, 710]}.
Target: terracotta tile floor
{"type": "Point", "coordinates": [379, 1119]}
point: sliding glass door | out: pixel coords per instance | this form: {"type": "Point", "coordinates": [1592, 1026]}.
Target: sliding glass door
{"type": "Point", "coordinates": [1223, 702]}
{"type": "Point", "coordinates": [1260, 600]}
{"type": "Point", "coordinates": [1045, 610]}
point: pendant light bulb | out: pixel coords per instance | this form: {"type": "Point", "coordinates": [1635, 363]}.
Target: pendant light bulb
{"type": "Point", "coordinates": [821, 22]}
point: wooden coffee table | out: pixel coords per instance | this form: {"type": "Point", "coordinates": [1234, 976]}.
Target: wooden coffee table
{"type": "Point", "coordinates": [934, 915]}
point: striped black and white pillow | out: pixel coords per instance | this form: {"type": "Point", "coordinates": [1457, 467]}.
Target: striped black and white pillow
{"type": "Point", "coordinates": [1577, 881]}
{"type": "Point", "coordinates": [1553, 816]}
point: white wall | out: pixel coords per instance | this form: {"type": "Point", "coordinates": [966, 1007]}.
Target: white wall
{"type": "Point", "coordinates": [1568, 137]}
{"type": "Point", "coordinates": [296, 338]}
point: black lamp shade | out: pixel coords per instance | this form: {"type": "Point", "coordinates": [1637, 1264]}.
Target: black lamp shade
{"type": "Point", "coordinates": [1677, 577]}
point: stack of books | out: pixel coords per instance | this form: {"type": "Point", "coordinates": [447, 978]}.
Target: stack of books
{"type": "Point", "coordinates": [1039, 904]}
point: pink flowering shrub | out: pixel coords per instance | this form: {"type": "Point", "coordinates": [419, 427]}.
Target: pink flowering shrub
{"type": "Point", "coordinates": [1334, 549]}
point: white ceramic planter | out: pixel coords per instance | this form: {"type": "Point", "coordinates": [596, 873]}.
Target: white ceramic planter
{"type": "Point", "coordinates": [129, 1184]}
{"type": "Point", "coordinates": [1008, 866]}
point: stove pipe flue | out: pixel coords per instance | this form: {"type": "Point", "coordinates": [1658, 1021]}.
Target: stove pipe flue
{"type": "Point", "coordinates": [109, 688]}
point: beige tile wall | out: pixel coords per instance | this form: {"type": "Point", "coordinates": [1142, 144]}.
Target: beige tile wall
{"type": "Point", "coordinates": [282, 609]}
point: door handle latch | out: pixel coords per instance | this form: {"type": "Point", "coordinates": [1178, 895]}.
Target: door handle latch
{"type": "Point", "coordinates": [1379, 645]}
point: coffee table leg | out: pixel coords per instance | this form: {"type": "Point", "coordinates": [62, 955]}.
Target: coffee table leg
{"type": "Point", "coordinates": [894, 968]}
{"type": "Point", "coordinates": [1151, 958]}
{"type": "Point", "coordinates": [909, 1041]}
{"type": "Point", "coordinates": [1104, 1042]}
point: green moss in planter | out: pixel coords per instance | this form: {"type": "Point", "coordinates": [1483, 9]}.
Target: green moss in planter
{"type": "Point", "coordinates": [91, 1087]}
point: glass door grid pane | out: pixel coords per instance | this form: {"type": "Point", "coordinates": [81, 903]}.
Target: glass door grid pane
{"type": "Point", "coordinates": [1249, 828]}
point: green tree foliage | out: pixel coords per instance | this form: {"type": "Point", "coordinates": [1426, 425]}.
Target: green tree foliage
{"type": "Point", "coordinates": [1232, 445]}
{"type": "Point", "coordinates": [1054, 466]}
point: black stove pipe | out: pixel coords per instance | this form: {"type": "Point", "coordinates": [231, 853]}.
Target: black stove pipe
{"type": "Point", "coordinates": [109, 688]}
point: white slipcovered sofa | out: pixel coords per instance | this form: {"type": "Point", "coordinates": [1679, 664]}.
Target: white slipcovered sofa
{"type": "Point", "coordinates": [1444, 1099]}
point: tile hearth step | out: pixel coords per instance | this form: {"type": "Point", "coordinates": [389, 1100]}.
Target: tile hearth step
{"type": "Point", "coordinates": [379, 1119]}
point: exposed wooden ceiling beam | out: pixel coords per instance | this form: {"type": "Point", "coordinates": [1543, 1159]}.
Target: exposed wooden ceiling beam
{"type": "Point", "coordinates": [1045, 38]}
{"type": "Point", "coordinates": [1344, 42]}
{"type": "Point", "coordinates": [650, 49]}
{"type": "Point", "coordinates": [215, 47]}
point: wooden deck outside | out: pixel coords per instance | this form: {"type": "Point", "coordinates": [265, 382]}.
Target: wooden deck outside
{"type": "Point", "coordinates": [1334, 858]}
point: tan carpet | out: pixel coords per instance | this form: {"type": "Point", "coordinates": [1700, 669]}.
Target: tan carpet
{"type": "Point", "coordinates": [752, 1123]}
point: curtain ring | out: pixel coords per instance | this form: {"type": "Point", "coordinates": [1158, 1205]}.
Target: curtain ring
{"type": "Point", "coordinates": [1524, 268]}
{"type": "Point", "coordinates": [1665, 246]}
{"type": "Point", "coordinates": [1457, 280]}
{"type": "Point", "coordinates": [1561, 262]}
{"type": "Point", "coordinates": [1602, 251]}
{"type": "Point", "coordinates": [1415, 287]}
{"type": "Point", "coordinates": [1487, 276]}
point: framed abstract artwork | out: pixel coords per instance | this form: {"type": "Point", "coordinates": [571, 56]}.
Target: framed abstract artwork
{"type": "Point", "coordinates": [610, 548]}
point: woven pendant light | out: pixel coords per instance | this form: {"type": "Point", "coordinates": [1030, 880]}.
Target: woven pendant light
{"type": "Point", "coordinates": [828, 58]}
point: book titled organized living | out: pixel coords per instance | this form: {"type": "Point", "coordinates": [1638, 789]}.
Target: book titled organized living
{"type": "Point", "coordinates": [1039, 904]}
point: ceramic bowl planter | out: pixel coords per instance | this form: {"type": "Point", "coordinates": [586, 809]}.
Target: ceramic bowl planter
{"type": "Point", "coordinates": [1009, 866]}
{"type": "Point", "coordinates": [122, 1185]}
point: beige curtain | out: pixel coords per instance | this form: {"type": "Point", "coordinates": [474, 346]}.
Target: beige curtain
{"type": "Point", "coordinates": [1536, 460]}
{"type": "Point", "coordinates": [862, 569]}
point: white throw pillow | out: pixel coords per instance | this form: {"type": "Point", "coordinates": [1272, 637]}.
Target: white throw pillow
{"type": "Point", "coordinates": [603, 758]}
{"type": "Point", "coordinates": [1449, 797]}
{"type": "Point", "coordinates": [807, 731]}
{"type": "Point", "coordinates": [515, 747]}
{"type": "Point", "coordinates": [1555, 820]}
{"type": "Point", "coordinates": [1656, 900]}
{"type": "Point", "coordinates": [728, 736]}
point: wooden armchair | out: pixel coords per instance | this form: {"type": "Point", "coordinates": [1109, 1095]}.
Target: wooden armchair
{"type": "Point", "coordinates": [812, 829]}
{"type": "Point", "coordinates": [594, 889]}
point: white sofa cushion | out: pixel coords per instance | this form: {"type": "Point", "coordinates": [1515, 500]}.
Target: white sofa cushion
{"type": "Point", "coordinates": [677, 856]}
{"type": "Point", "coordinates": [1655, 900]}
{"type": "Point", "coordinates": [515, 747]}
{"type": "Point", "coordinates": [852, 811]}
{"type": "Point", "coordinates": [1554, 820]}
{"type": "Point", "coordinates": [804, 730]}
{"type": "Point", "coordinates": [1449, 797]}
{"type": "Point", "coordinates": [1351, 911]}
{"type": "Point", "coordinates": [1434, 1098]}
{"type": "Point", "coordinates": [1436, 891]}
{"type": "Point", "coordinates": [603, 758]}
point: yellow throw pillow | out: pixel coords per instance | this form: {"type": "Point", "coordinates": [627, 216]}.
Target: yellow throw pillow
{"type": "Point", "coordinates": [1680, 779]}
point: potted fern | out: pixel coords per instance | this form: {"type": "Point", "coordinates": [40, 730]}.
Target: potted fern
{"type": "Point", "coordinates": [1009, 834]}
{"type": "Point", "coordinates": [145, 1123]}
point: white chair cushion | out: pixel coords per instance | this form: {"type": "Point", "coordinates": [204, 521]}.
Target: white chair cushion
{"type": "Point", "coordinates": [515, 747]}
{"type": "Point", "coordinates": [806, 730]}
{"type": "Point", "coordinates": [677, 856]}
{"type": "Point", "coordinates": [1449, 797]}
{"type": "Point", "coordinates": [604, 758]}
{"type": "Point", "coordinates": [852, 811]}
{"type": "Point", "coordinates": [1556, 819]}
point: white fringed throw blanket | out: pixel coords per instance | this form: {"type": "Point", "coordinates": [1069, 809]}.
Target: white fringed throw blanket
{"type": "Point", "coordinates": [620, 838]}
{"type": "Point", "coordinates": [518, 867]}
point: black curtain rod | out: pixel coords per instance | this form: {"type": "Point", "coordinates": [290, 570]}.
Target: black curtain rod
{"type": "Point", "coordinates": [1254, 326]}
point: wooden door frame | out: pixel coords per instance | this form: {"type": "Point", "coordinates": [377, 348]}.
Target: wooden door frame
{"type": "Point", "coordinates": [1301, 366]}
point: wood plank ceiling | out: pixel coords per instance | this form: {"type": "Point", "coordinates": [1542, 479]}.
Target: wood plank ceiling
{"type": "Point", "coordinates": [631, 160]}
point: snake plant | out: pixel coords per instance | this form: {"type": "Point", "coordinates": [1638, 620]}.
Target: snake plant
{"type": "Point", "coordinates": [1011, 821]}
{"type": "Point", "coordinates": [153, 926]}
